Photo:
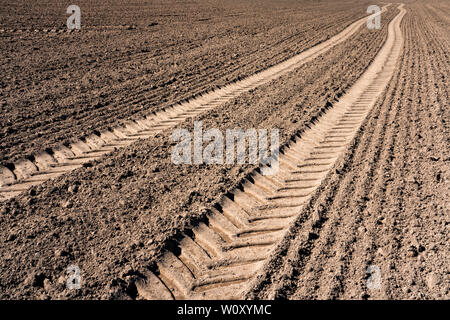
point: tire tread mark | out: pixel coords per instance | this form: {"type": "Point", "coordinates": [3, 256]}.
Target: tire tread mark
{"type": "Point", "coordinates": [255, 201]}
{"type": "Point", "coordinates": [71, 157]}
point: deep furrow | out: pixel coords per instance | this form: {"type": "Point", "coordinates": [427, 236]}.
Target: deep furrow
{"type": "Point", "coordinates": [343, 262]}
{"type": "Point", "coordinates": [419, 118]}
{"type": "Point", "coordinates": [327, 247]}
{"type": "Point", "coordinates": [348, 248]}
{"type": "Point", "coordinates": [369, 251]}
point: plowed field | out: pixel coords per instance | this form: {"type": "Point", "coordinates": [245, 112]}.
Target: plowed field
{"type": "Point", "coordinates": [364, 165]}
{"type": "Point", "coordinates": [57, 87]}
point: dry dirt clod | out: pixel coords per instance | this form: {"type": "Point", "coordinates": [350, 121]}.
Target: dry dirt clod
{"type": "Point", "coordinates": [412, 251]}
{"type": "Point", "coordinates": [12, 236]}
{"type": "Point", "coordinates": [47, 285]}
{"type": "Point", "coordinates": [61, 253]}
{"type": "Point", "coordinates": [67, 204]}
{"type": "Point", "coordinates": [35, 279]}
{"type": "Point", "coordinates": [73, 188]}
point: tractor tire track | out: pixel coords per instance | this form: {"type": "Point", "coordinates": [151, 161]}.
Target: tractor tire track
{"type": "Point", "coordinates": [21, 175]}
{"type": "Point", "coordinates": [222, 256]}
{"type": "Point", "coordinates": [106, 79]}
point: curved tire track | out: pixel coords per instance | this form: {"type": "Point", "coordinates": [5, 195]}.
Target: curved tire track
{"type": "Point", "coordinates": [21, 175]}
{"type": "Point", "coordinates": [222, 255]}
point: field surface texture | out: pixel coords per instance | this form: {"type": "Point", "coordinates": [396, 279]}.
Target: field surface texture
{"type": "Point", "coordinates": [362, 189]}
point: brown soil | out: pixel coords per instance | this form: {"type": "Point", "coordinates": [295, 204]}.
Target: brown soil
{"type": "Point", "coordinates": [221, 256]}
{"type": "Point", "coordinates": [386, 203]}
{"type": "Point", "coordinates": [113, 219]}
{"type": "Point", "coordinates": [58, 87]}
